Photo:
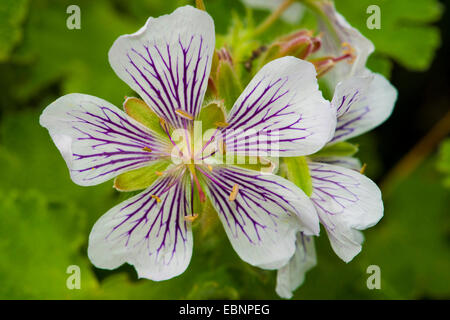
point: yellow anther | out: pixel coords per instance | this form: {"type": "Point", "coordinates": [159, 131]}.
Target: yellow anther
{"type": "Point", "coordinates": [363, 168]}
{"type": "Point", "coordinates": [147, 149]}
{"type": "Point", "coordinates": [234, 193]}
{"type": "Point", "coordinates": [221, 124]}
{"type": "Point", "coordinates": [162, 123]}
{"type": "Point", "coordinates": [191, 218]}
{"type": "Point", "coordinates": [184, 114]}
{"type": "Point", "coordinates": [159, 173]}
{"type": "Point", "coordinates": [210, 167]}
{"type": "Point", "coordinates": [154, 196]}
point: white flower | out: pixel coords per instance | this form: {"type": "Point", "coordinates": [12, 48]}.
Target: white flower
{"type": "Point", "coordinates": [339, 37]}
{"type": "Point", "coordinates": [346, 201]}
{"type": "Point", "coordinates": [167, 62]}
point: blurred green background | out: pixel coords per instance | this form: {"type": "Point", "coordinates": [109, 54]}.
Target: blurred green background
{"type": "Point", "coordinates": [45, 219]}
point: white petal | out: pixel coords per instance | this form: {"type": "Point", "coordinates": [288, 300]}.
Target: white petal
{"type": "Point", "coordinates": [345, 200]}
{"type": "Point", "coordinates": [292, 275]}
{"type": "Point", "coordinates": [168, 61]}
{"type": "Point", "coordinates": [261, 222]}
{"type": "Point", "coordinates": [362, 103]}
{"type": "Point", "coordinates": [97, 140]}
{"type": "Point", "coordinates": [345, 34]}
{"type": "Point", "coordinates": [346, 162]}
{"type": "Point", "coordinates": [281, 113]}
{"type": "Point", "coordinates": [150, 235]}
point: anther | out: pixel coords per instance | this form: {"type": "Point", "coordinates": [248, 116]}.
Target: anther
{"type": "Point", "coordinates": [191, 218]}
{"type": "Point", "coordinates": [234, 193]}
{"type": "Point", "coordinates": [147, 149]}
{"type": "Point", "coordinates": [154, 196]}
{"type": "Point", "coordinates": [221, 124]}
{"type": "Point", "coordinates": [159, 173]}
{"type": "Point", "coordinates": [162, 123]}
{"type": "Point", "coordinates": [184, 114]}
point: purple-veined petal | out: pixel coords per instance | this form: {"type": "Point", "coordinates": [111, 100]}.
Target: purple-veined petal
{"type": "Point", "coordinates": [147, 232]}
{"type": "Point", "coordinates": [346, 162]}
{"type": "Point", "coordinates": [280, 113]}
{"type": "Point", "coordinates": [292, 275]}
{"type": "Point", "coordinates": [346, 202]}
{"type": "Point", "coordinates": [168, 62]}
{"type": "Point", "coordinates": [262, 220]}
{"type": "Point", "coordinates": [362, 103]}
{"type": "Point", "coordinates": [342, 33]}
{"type": "Point", "coordinates": [97, 140]}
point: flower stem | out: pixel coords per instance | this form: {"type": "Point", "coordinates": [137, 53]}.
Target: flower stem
{"type": "Point", "coordinates": [416, 155]}
{"type": "Point", "coordinates": [273, 17]}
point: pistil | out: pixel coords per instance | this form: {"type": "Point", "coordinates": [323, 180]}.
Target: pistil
{"type": "Point", "coordinates": [201, 193]}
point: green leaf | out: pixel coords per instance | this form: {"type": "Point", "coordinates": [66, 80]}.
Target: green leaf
{"type": "Point", "coordinates": [76, 58]}
{"type": "Point", "coordinates": [12, 14]}
{"type": "Point", "coordinates": [406, 33]}
{"type": "Point", "coordinates": [40, 240]}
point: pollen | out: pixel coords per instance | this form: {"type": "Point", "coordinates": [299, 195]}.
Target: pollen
{"type": "Point", "coordinates": [154, 196]}
{"type": "Point", "coordinates": [184, 114]}
{"type": "Point", "coordinates": [210, 167]}
{"type": "Point", "coordinates": [159, 173]}
{"type": "Point", "coordinates": [221, 124]}
{"type": "Point", "coordinates": [147, 149]}
{"type": "Point", "coordinates": [234, 192]}
{"type": "Point", "coordinates": [363, 168]}
{"type": "Point", "coordinates": [191, 218]}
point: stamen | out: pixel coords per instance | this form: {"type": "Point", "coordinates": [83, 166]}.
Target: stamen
{"type": "Point", "coordinates": [154, 196]}
{"type": "Point", "coordinates": [221, 124]}
{"type": "Point", "coordinates": [234, 193]}
{"type": "Point", "coordinates": [162, 123]}
{"type": "Point", "coordinates": [184, 114]}
{"type": "Point", "coordinates": [147, 149]}
{"type": "Point", "coordinates": [363, 168]}
{"type": "Point", "coordinates": [349, 51]}
{"type": "Point", "coordinates": [201, 194]}
{"type": "Point", "coordinates": [191, 218]}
